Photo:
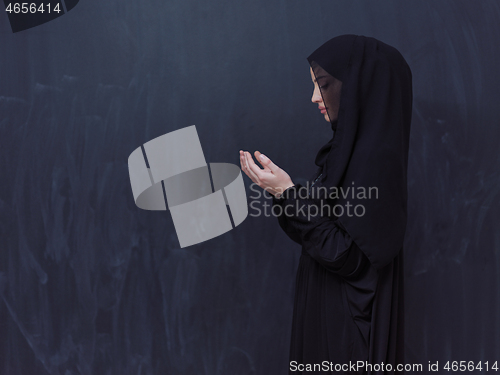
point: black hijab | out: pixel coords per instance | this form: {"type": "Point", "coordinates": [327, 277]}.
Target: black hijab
{"type": "Point", "coordinates": [369, 147]}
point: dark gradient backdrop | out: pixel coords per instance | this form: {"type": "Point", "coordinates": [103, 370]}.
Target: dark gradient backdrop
{"type": "Point", "coordinates": [90, 284]}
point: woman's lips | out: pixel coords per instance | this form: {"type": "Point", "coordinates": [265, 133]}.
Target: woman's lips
{"type": "Point", "coordinates": [323, 110]}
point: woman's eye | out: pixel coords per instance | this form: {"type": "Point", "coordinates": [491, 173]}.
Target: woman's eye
{"type": "Point", "coordinates": [324, 86]}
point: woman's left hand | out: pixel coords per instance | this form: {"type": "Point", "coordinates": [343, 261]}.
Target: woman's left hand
{"type": "Point", "coordinates": [272, 178]}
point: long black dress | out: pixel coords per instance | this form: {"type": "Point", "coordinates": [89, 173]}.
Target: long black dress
{"type": "Point", "coordinates": [349, 285]}
{"type": "Point", "coordinates": [342, 313]}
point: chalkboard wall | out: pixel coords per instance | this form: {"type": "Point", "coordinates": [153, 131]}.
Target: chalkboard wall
{"type": "Point", "coordinates": [91, 284]}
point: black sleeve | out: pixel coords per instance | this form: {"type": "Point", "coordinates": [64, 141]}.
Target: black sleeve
{"type": "Point", "coordinates": [290, 231]}
{"type": "Point", "coordinates": [322, 235]}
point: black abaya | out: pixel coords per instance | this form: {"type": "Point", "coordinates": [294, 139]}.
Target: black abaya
{"type": "Point", "coordinates": [349, 286]}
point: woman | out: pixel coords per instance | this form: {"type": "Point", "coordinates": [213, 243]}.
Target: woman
{"type": "Point", "coordinates": [349, 287]}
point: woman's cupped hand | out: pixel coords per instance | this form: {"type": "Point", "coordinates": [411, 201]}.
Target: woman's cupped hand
{"type": "Point", "coordinates": [270, 177]}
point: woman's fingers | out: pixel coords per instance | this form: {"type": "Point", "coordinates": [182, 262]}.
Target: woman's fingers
{"type": "Point", "coordinates": [244, 164]}
{"type": "Point", "coordinates": [253, 168]}
{"type": "Point", "coordinates": [265, 178]}
{"type": "Point", "coordinates": [257, 156]}
{"type": "Point", "coordinates": [243, 161]}
{"type": "Point", "coordinates": [245, 167]}
{"type": "Point", "coordinates": [272, 178]}
{"type": "Point", "coordinates": [266, 162]}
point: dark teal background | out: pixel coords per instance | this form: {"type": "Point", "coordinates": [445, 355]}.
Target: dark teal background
{"type": "Point", "coordinates": [90, 284]}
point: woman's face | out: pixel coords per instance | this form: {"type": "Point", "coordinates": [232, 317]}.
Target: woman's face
{"type": "Point", "coordinates": [331, 88]}
{"type": "Point", "coordinates": [317, 98]}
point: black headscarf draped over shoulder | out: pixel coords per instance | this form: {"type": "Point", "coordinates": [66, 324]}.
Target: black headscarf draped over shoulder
{"type": "Point", "coordinates": [369, 148]}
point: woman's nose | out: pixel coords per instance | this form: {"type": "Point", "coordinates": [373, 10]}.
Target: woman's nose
{"type": "Point", "coordinates": [316, 96]}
